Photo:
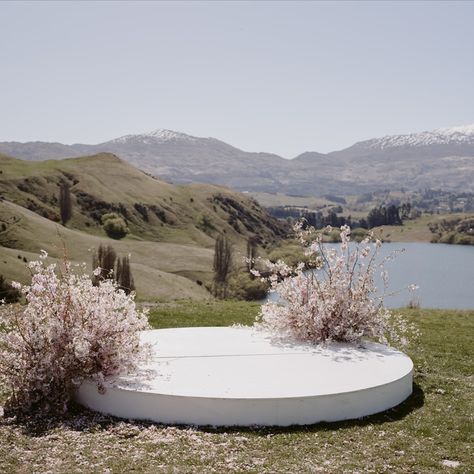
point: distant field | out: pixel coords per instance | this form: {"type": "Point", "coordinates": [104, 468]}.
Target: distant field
{"type": "Point", "coordinates": [411, 231]}
{"type": "Point", "coordinates": [429, 431]}
{"type": "Point", "coordinates": [279, 199]}
{"type": "Point", "coordinates": [416, 230]}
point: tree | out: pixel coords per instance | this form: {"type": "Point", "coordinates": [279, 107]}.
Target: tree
{"type": "Point", "coordinates": [113, 268]}
{"type": "Point", "coordinates": [65, 203]}
{"type": "Point", "coordinates": [124, 276]}
{"type": "Point", "coordinates": [114, 225]}
{"type": "Point", "coordinates": [222, 265]}
{"type": "Point", "coordinates": [104, 258]}
{"type": "Point", "coordinates": [118, 271]}
{"type": "Point", "coordinates": [251, 252]}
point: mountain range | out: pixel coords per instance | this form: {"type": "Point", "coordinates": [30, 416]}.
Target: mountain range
{"type": "Point", "coordinates": [437, 159]}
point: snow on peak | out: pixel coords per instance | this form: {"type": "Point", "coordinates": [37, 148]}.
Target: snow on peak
{"type": "Point", "coordinates": [441, 136]}
{"type": "Point", "coordinates": [165, 135]}
{"type": "Point", "coordinates": [460, 130]}
{"type": "Point", "coordinates": [159, 135]}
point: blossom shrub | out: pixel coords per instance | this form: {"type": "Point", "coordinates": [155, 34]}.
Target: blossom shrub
{"type": "Point", "coordinates": [338, 301]}
{"type": "Point", "coordinates": [69, 330]}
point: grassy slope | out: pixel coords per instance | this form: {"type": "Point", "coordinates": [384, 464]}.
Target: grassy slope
{"type": "Point", "coordinates": [109, 179]}
{"type": "Point", "coordinates": [167, 257]}
{"type": "Point", "coordinates": [434, 424]}
{"type": "Point", "coordinates": [411, 231]}
{"type": "Point", "coordinates": [157, 267]}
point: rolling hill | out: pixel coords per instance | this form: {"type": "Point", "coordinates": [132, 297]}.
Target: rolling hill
{"type": "Point", "coordinates": [172, 227]}
{"type": "Point", "coordinates": [438, 159]}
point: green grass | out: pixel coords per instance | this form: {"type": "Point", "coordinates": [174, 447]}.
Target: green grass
{"type": "Point", "coordinates": [209, 313]}
{"type": "Point", "coordinates": [416, 230]}
{"type": "Point", "coordinates": [434, 424]}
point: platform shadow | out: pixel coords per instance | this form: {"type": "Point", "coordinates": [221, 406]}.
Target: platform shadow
{"type": "Point", "coordinates": [339, 351]}
{"type": "Point", "coordinates": [81, 419]}
{"type": "Point", "coordinates": [414, 402]}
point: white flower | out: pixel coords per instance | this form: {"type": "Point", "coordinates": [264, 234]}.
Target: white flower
{"type": "Point", "coordinates": [97, 271]}
{"type": "Point", "coordinates": [81, 348]}
{"type": "Point", "coordinates": [78, 328]}
{"type": "Point", "coordinates": [337, 304]}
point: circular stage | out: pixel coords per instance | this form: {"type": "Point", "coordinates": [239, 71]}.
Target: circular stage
{"type": "Point", "coordinates": [238, 376]}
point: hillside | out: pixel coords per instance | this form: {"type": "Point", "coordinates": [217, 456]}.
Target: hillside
{"type": "Point", "coordinates": [156, 267]}
{"type": "Point", "coordinates": [438, 159]}
{"type": "Point", "coordinates": [172, 228]}
{"type": "Point", "coordinates": [153, 209]}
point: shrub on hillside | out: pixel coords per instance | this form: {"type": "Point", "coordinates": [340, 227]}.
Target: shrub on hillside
{"type": "Point", "coordinates": [114, 225]}
{"type": "Point", "coordinates": [290, 252]}
{"type": "Point", "coordinates": [455, 230]}
{"type": "Point", "coordinates": [204, 223]}
{"type": "Point", "coordinates": [69, 330]}
{"type": "Point", "coordinates": [242, 286]}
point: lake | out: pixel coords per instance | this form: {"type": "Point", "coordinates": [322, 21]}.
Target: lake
{"type": "Point", "coordinates": [444, 274]}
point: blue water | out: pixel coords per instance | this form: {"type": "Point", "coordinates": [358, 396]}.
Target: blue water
{"type": "Point", "coordinates": [444, 274]}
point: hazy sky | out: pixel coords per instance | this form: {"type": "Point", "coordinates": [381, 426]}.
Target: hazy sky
{"type": "Point", "coordinates": [278, 77]}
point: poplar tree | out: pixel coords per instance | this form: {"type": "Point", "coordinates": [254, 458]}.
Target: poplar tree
{"type": "Point", "coordinates": [65, 203]}
{"type": "Point", "coordinates": [251, 252]}
{"type": "Point", "coordinates": [222, 265]}
{"type": "Point", "coordinates": [104, 258]}
{"type": "Point", "coordinates": [124, 275]}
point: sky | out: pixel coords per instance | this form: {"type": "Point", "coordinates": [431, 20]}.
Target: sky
{"type": "Point", "coordinates": [281, 77]}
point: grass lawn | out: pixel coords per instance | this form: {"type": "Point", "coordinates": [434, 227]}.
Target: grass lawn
{"type": "Point", "coordinates": [430, 432]}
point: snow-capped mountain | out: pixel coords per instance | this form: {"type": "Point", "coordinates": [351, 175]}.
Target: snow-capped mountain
{"type": "Point", "coordinates": [441, 158]}
{"type": "Point", "coordinates": [440, 136]}
{"type": "Point", "coordinates": [160, 135]}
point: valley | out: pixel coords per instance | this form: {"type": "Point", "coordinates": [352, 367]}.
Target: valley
{"type": "Point", "coordinates": [171, 228]}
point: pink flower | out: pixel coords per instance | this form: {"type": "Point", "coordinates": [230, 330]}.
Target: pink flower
{"type": "Point", "coordinates": [68, 331]}
{"type": "Point", "coordinates": [335, 304]}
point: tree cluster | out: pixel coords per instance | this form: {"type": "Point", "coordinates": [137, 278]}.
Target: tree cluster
{"type": "Point", "coordinates": [384, 215]}
{"type": "Point", "coordinates": [113, 268]}
{"type": "Point", "coordinates": [391, 214]}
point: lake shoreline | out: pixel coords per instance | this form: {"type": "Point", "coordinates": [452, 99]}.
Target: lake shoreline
{"type": "Point", "coordinates": [441, 271]}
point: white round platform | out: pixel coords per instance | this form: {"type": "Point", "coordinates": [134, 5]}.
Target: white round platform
{"type": "Point", "coordinates": [239, 376]}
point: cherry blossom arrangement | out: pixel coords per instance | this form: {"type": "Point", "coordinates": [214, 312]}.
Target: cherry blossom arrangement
{"type": "Point", "coordinates": [337, 300]}
{"type": "Point", "coordinates": [69, 330]}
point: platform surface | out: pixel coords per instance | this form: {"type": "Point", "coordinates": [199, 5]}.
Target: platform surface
{"type": "Point", "coordinates": [224, 371]}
